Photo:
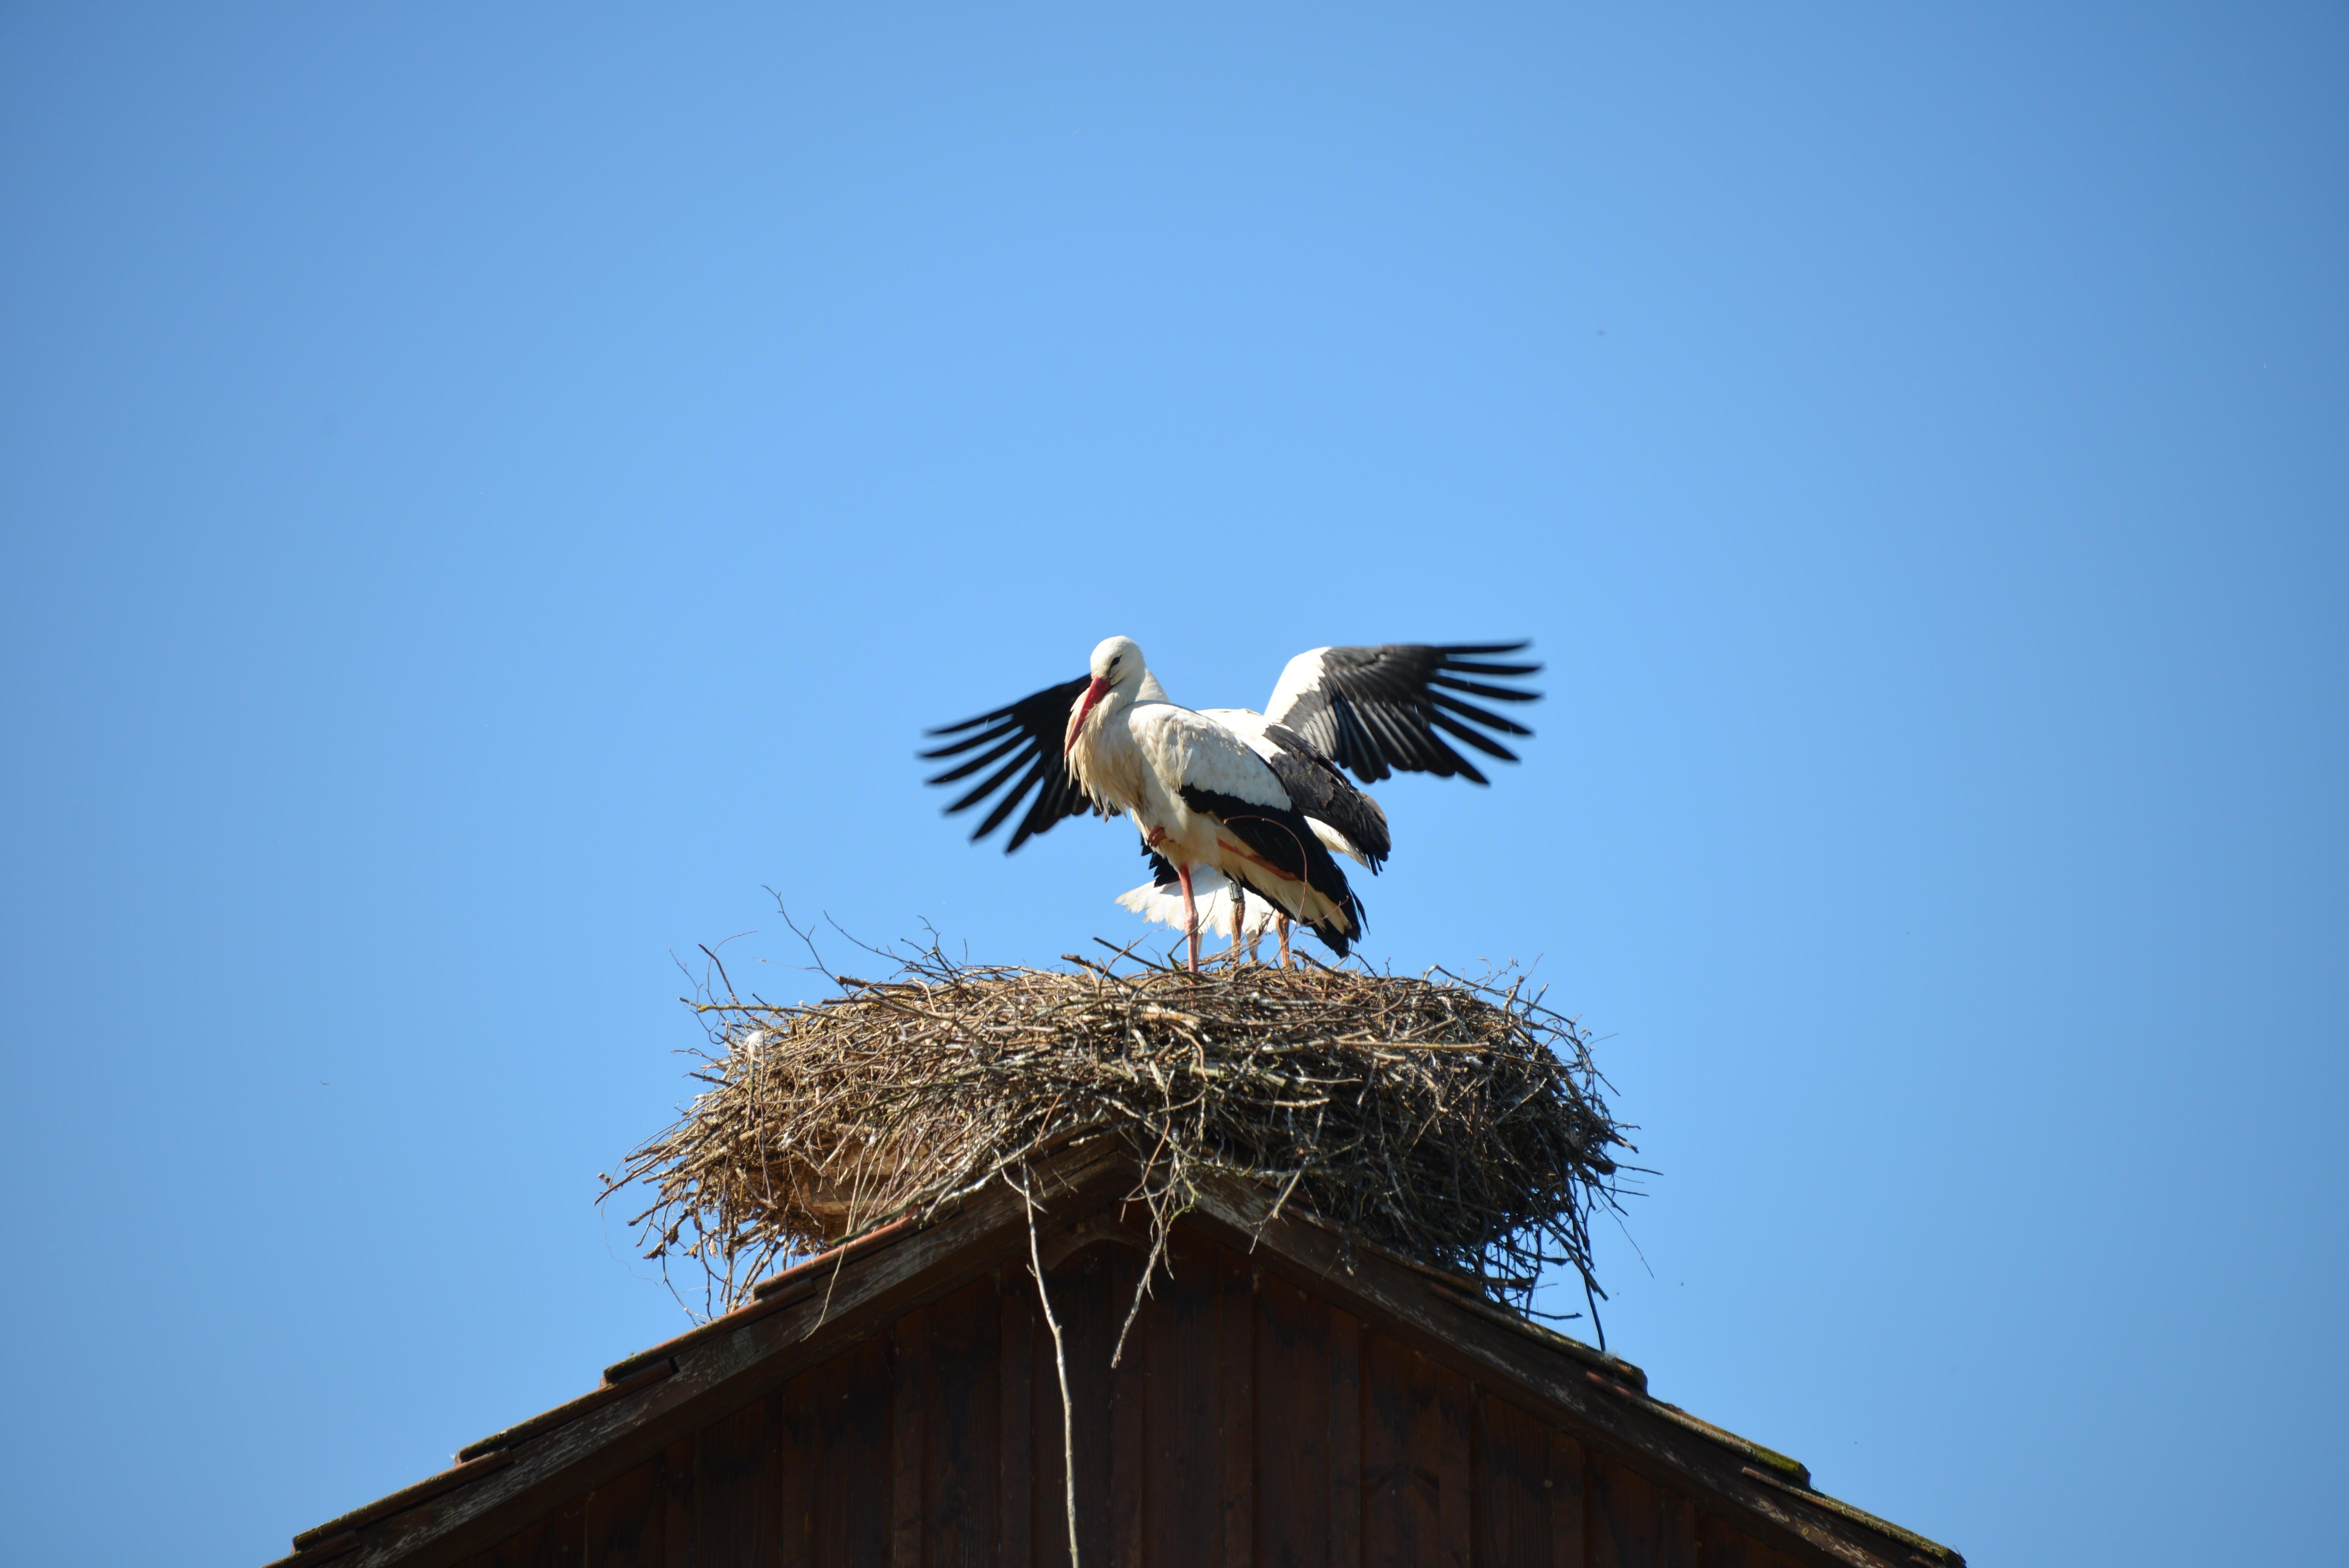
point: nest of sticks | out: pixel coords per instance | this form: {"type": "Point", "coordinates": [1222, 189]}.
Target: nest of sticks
{"type": "Point", "coordinates": [1458, 1123]}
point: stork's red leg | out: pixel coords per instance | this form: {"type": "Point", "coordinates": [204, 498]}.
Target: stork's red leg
{"type": "Point", "coordinates": [1190, 915]}
{"type": "Point", "coordinates": [1239, 919]}
{"type": "Point", "coordinates": [1281, 921]}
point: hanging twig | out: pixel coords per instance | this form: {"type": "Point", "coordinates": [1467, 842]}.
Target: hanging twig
{"type": "Point", "coordinates": [1060, 1363]}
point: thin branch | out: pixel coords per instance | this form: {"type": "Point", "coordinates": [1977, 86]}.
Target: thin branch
{"type": "Point", "coordinates": [1060, 1363]}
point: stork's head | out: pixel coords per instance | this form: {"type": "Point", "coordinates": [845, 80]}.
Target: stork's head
{"type": "Point", "coordinates": [1117, 666]}
{"type": "Point", "coordinates": [1116, 660]}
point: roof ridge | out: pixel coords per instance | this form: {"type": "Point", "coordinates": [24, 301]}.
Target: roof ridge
{"type": "Point", "coordinates": [1246, 1216]}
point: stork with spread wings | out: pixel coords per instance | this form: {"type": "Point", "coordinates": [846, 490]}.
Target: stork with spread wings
{"type": "Point", "coordinates": [1370, 711]}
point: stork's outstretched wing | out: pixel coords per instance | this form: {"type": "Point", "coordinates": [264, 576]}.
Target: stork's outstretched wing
{"type": "Point", "coordinates": [1377, 710]}
{"type": "Point", "coordinates": [1026, 738]}
{"type": "Point", "coordinates": [1323, 794]}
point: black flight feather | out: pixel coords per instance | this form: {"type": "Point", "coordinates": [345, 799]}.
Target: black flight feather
{"type": "Point", "coordinates": [1029, 732]}
{"type": "Point", "coordinates": [1319, 790]}
{"type": "Point", "coordinates": [1377, 710]}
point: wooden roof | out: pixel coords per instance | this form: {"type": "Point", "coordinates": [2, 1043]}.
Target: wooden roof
{"type": "Point", "coordinates": [532, 1492]}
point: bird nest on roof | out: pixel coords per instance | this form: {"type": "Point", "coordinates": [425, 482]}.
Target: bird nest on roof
{"type": "Point", "coordinates": [1457, 1123]}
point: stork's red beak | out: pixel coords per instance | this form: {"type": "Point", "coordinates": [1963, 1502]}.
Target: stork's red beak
{"type": "Point", "coordinates": [1093, 693]}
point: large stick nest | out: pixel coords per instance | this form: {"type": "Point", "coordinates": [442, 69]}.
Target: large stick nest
{"type": "Point", "coordinates": [1457, 1123]}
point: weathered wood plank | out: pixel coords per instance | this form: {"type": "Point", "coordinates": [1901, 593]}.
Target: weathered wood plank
{"type": "Point", "coordinates": [1049, 1520]}
{"type": "Point", "coordinates": [567, 1536]}
{"type": "Point", "coordinates": [792, 1465]}
{"type": "Point", "coordinates": [1680, 1532]}
{"type": "Point", "coordinates": [1626, 1515]}
{"type": "Point", "coordinates": [1129, 1394]}
{"type": "Point", "coordinates": [728, 1470]}
{"type": "Point", "coordinates": [962, 1428]}
{"type": "Point", "coordinates": [558, 1541]}
{"type": "Point", "coordinates": [852, 1494]}
{"type": "Point", "coordinates": [1292, 1426]}
{"type": "Point", "coordinates": [1400, 1517]}
{"type": "Point", "coordinates": [908, 1365]}
{"type": "Point", "coordinates": [1083, 1283]}
{"type": "Point", "coordinates": [1659, 1444]}
{"type": "Point", "coordinates": [644, 1371]}
{"type": "Point", "coordinates": [742, 1356]}
{"type": "Point", "coordinates": [1080, 1296]}
{"type": "Point", "coordinates": [1512, 1464]}
{"type": "Point", "coordinates": [1456, 1496]}
{"type": "Point", "coordinates": [1345, 1439]}
{"type": "Point", "coordinates": [1236, 1355]}
{"type": "Point", "coordinates": [1183, 1483]}
{"type": "Point", "coordinates": [746, 1360]}
{"type": "Point", "coordinates": [463, 1477]}
{"type": "Point", "coordinates": [1017, 1397]}
{"type": "Point", "coordinates": [523, 1549]}
{"type": "Point", "coordinates": [1568, 1514]}
{"type": "Point", "coordinates": [623, 1519]}
{"type": "Point", "coordinates": [1720, 1545]}
{"type": "Point", "coordinates": [677, 1502]}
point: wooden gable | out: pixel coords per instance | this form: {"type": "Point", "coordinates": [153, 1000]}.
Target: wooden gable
{"type": "Point", "coordinates": [897, 1401]}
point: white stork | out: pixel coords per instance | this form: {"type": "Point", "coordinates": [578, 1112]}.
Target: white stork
{"type": "Point", "coordinates": [1202, 798]}
{"type": "Point", "coordinates": [1341, 816]}
{"type": "Point", "coordinates": [1374, 710]}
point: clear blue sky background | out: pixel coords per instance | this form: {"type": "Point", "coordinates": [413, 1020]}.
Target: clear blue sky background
{"type": "Point", "coordinates": [488, 487]}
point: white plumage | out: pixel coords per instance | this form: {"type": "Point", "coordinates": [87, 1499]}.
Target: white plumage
{"type": "Point", "coordinates": [1188, 783]}
{"type": "Point", "coordinates": [1211, 893]}
{"type": "Point", "coordinates": [1300, 677]}
{"type": "Point", "coordinates": [1249, 726]}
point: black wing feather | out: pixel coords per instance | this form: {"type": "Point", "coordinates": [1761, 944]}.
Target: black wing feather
{"type": "Point", "coordinates": [1377, 710]}
{"type": "Point", "coordinates": [1280, 837]}
{"type": "Point", "coordinates": [988, 786]}
{"type": "Point", "coordinates": [1470, 713]}
{"type": "Point", "coordinates": [1029, 732]}
{"type": "Point", "coordinates": [1009, 803]}
{"type": "Point", "coordinates": [1317, 790]}
{"type": "Point", "coordinates": [983, 760]}
{"type": "Point", "coordinates": [1484, 744]}
{"type": "Point", "coordinates": [1478, 688]}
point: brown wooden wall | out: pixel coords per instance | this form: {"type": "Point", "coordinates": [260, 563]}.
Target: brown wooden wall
{"type": "Point", "coordinates": [1248, 1423]}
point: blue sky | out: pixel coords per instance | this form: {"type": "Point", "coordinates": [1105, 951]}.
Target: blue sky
{"type": "Point", "coordinates": [488, 490]}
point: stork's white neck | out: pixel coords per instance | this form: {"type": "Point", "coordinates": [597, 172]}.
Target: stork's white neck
{"type": "Point", "coordinates": [1105, 760]}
